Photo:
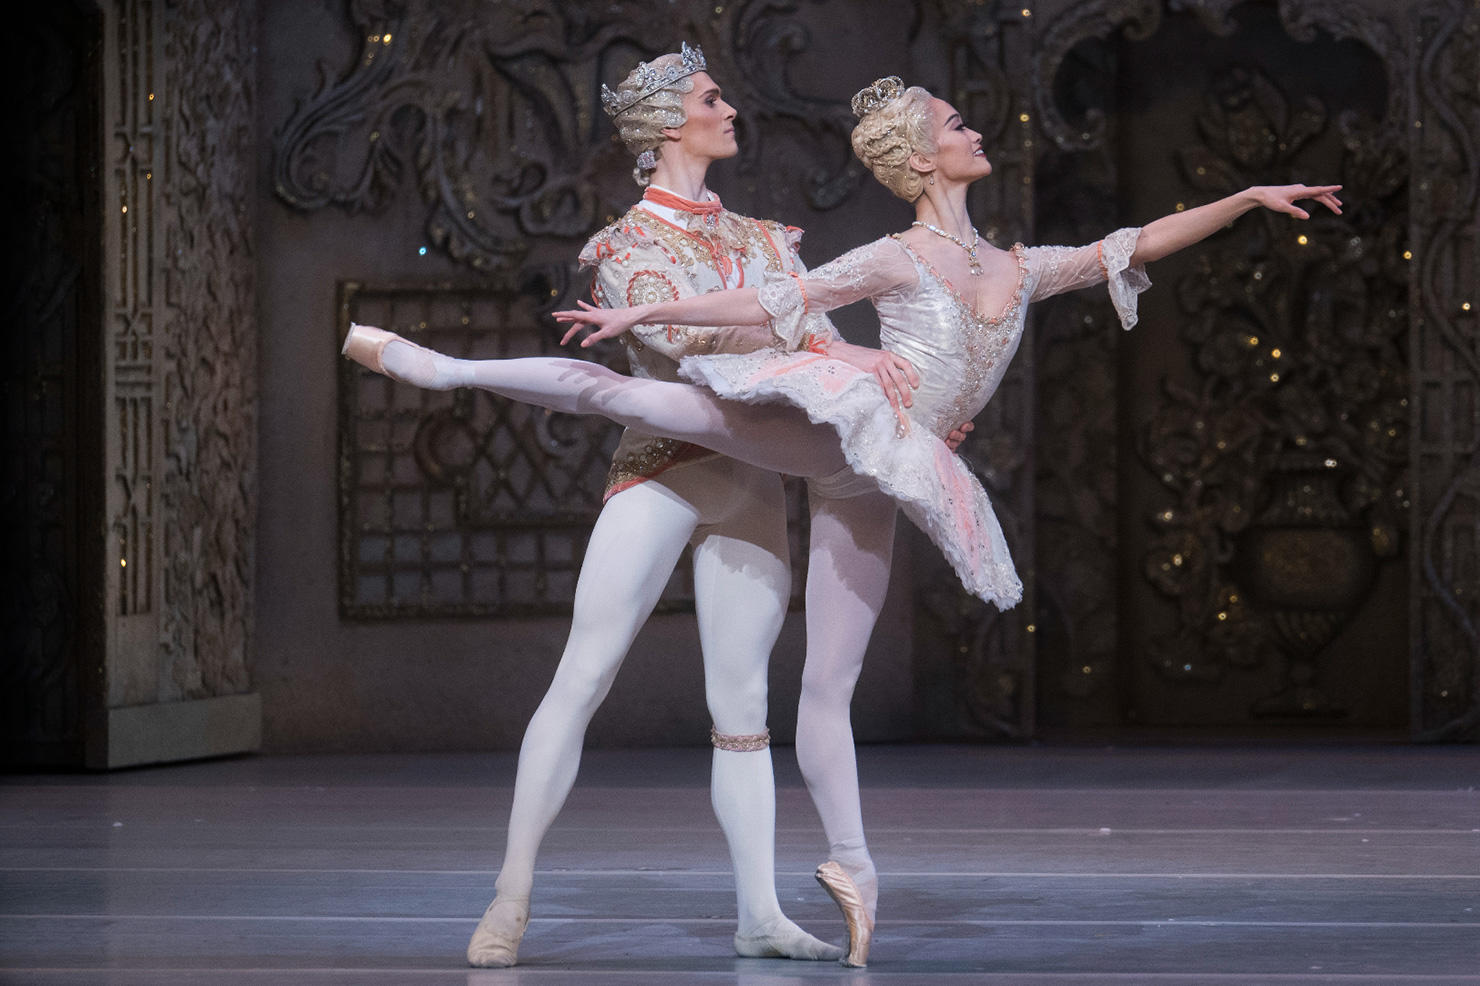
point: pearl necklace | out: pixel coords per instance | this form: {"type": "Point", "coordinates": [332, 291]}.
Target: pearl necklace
{"type": "Point", "coordinates": [976, 267]}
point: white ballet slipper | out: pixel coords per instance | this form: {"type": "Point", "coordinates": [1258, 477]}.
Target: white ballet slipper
{"type": "Point", "coordinates": [783, 939]}
{"type": "Point", "coordinates": [495, 942]}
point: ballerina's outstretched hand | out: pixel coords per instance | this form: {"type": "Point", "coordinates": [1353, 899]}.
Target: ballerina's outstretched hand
{"type": "Point", "coordinates": [603, 323]}
{"type": "Point", "coordinates": [1165, 236]}
{"type": "Point", "coordinates": [1282, 198]}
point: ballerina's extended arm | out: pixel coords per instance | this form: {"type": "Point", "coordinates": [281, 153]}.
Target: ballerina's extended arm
{"type": "Point", "coordinates": [737, 306]}
{"type": "Point", "coordinates": [1171, 233]}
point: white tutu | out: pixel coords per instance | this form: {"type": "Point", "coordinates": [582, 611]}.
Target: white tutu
{"type": "Point", "coordinates": [929, 481]}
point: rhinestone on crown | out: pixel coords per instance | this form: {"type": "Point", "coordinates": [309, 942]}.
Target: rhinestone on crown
{"type": "Point", "coordinates": [875, 97]}
{"type": "Point", "coordinates": [649, 80]}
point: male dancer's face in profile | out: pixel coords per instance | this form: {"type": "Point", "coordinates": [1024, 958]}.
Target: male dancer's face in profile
{"type": "Point", "coordinates": [709, 125]}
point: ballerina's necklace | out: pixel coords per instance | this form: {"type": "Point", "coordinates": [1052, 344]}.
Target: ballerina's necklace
{"type": "Point", "coordinates": [976, 266]}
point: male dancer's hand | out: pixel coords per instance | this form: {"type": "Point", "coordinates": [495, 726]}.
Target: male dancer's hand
{"type": "Point", "coordinates": [958, 435]}
{"type": "Point", "coordinates": [896, 375]}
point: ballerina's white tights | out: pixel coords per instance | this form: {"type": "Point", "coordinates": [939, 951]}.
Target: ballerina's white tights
{"type": "Point", "coordinates": [851, 548]}
{"type": "Point", "coordinates": [850, 552]}
{"type": "Point", "coordinates": [775, 437]}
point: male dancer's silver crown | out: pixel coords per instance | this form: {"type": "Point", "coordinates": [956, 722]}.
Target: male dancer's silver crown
{"type": "Point", "coordinates": [649, 80]}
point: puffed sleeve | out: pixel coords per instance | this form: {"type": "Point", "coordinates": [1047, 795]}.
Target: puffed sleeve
{"type": "Point", "coordinates": [869, 271]}
{"type": "Point", "coordinates": [1055, 269]}
{"type": "Point", "coordinates": [636, 271]}
{"type": "Point", "coordinates": [817, 329]}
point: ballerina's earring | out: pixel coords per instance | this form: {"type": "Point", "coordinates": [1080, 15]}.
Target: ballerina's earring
{"type": "Point", "coordinates": [931, 179]}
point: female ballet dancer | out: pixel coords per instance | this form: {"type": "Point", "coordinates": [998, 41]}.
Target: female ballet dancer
{"type": "Point", "coordinates": [823, 419]}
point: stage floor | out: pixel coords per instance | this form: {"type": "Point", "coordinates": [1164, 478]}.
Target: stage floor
{"type": "Point", "coordinates": [1166, 866]}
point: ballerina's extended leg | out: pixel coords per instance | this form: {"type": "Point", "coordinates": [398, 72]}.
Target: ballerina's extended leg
{"type": "Point", "coordinates": [773, 437]}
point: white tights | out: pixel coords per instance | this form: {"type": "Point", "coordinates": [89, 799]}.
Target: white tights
{"type": "Point", "coordinates": [851, 550]}
{"type": "Point", "coordinates": [851, 547]}
{"type": "Point", "coordinates": [775, 437]}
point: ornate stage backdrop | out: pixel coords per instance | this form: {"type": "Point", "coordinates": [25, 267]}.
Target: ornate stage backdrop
{"type": "Point", "coordinates": [1246, 514]}
{"type": "Point", "coordinates": [131, 384]}
{"type": "Point", "coordinates": [1258, 512]}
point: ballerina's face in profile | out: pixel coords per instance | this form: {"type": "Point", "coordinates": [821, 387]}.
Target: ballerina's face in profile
{"type": "Point", "coordinates": [708, 130]}
{"type": "Point", "coordinates": [958, 155]}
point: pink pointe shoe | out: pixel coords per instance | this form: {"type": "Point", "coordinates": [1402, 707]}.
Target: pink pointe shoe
{"type": "Point", "coordinates": [365, 344]}
{"type": "Point", "coordinates": [844, 892]}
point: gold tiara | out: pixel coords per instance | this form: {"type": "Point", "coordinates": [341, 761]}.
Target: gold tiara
{"type": "Point", "coordinates": [875, 97]}
{"type": "Point", "coordinates": [648, 80]}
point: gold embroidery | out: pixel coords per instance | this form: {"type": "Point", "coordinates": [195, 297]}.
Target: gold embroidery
{"type": "Point", "coordinates": [649, 459]}
{"type": "Point", "coordinates": [732, 236]}
{"type": "Point", "coordinates": [675, 262]}
{"type": "Point", "coordinates": [649, 287]}
{"type": "Point", "coordinates": [742, 743]}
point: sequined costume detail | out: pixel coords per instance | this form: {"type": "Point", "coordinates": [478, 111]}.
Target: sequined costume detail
{"type": "Point", "coordinates": [657, 253]}
{"type": "Point", "coordinates": [745, 743]}
{"type": "Point", "coordinates": [961, 356]}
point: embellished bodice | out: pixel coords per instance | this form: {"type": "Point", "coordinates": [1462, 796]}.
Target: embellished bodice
{"type": "Point", "coordinates": [961, 354]}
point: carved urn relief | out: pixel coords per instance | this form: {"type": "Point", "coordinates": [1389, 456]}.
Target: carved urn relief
{"type": "Point", "coordinates": [1274, 455]}
{"type": "Point", "coordinates": [1309, 562]}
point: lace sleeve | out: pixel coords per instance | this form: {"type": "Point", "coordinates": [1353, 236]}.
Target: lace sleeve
{"type": "Point", "coordinates": [815, 330]}
{"type": "Point", "coordinates": [1055, 269]}
{"type": "Point", "coordinates": [794, 301]}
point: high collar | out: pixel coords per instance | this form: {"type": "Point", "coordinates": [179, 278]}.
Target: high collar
{"type": "Point", "coordinates": [671, 202]}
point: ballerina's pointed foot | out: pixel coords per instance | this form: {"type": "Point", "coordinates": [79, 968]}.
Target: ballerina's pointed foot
{"type": "Point", "coordinates": [365, 344]}
{"type": "Point", "coordinates": [495, 942]}
{"type": "Point", "coordinates": [844, 892]}
{"type": "Point", "coordinates": [407, 362]}
{"type": "Point", "coordinates": [783, 939]}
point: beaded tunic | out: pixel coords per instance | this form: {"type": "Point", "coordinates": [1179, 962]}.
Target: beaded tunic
{"type": "Point", "coordinates": [658, 253]}
{"type": "Point", "coordinates": [961, 356]}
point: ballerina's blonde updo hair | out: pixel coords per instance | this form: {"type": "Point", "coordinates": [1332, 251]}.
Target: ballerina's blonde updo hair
{"type": "Point", "coordinates": [893, 123]}
{"type": "Point", "coordinates": [641, 126]}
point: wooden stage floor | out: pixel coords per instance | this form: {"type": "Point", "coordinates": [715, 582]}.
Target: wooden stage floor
{"type": "Point", "coordinates": [1165, 866]}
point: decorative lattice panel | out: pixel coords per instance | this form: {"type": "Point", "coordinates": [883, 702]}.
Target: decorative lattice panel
{"type": "Point", "coordinates": [462, 503]}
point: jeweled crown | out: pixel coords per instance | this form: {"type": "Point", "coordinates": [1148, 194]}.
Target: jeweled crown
{"type": "Point", "coordinates": [875, 97]}
{"type": "Point", "coordinates": [649, 79]}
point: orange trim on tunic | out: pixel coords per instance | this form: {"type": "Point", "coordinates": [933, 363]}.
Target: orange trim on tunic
{"type": "Point", "coordinates": [723, 266]}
